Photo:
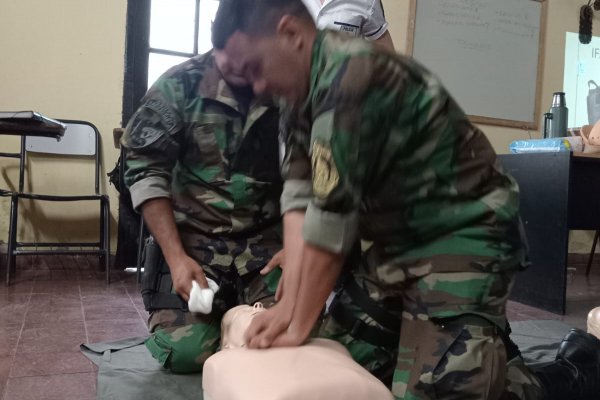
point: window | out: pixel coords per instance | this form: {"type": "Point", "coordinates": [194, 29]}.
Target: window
{"type": "Point", "coordinates": [161, 34]}
{"type": "Point", "coordinates": [179, 30]}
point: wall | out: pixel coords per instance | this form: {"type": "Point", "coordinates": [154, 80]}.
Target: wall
{"type": "Point", "coordinates": [65, 59]}
{"type": "Point", "coordinates": [562, 17]}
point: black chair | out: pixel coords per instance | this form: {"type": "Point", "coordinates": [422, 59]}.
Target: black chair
{"type": "Point", "coordinates": [8, 192]}
{"type": "Point", "coordinates": [81, 140]}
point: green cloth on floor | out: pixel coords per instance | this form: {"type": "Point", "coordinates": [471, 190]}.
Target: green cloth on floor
{"type": "Point", "coordinates": [127, 371]}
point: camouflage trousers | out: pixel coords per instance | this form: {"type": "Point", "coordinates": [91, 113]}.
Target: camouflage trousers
{"type": "Point", "coordinates": [450, 344]}
{"type": "Point", "coordinates": [182, 341]}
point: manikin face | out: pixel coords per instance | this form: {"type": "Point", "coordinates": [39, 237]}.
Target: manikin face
{"type": "Point", "coordinates": [277, 65]}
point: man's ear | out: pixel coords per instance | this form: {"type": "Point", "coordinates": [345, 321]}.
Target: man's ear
{"type": "Point", "coordinates": [290, 30]}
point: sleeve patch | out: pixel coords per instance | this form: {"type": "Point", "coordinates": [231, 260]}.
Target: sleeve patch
{"type": "Point", "coordinates": [164, 111]}
{"type": "Point", "coordinates": [153, 120]}
{"type": "Point", "coordinates": [325, 173]}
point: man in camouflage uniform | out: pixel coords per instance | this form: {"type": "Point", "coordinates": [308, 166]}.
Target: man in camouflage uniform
{"type": "Point", "coordinates": [377, 150]}
{"type": "Point", "coordinates": [202, 165]}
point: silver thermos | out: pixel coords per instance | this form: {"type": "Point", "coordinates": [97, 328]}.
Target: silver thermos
{"type": "Point", "coordinates": [555, 121]}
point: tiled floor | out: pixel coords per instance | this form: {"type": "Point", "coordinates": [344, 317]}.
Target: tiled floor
{"type": "Point", "coordinates": [57, 303]}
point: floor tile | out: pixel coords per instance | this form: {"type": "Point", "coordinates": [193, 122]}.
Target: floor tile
{"type": "Point", "coordinates": [52, 316]}
{"type": "Point", "coordinates": [99, 288]}
{"type": "Point", "coordinates": [62, 275]}
{"type": "Point", "coordinates": [33, 364]}
{"type": "Point", "coordinates": [120, 299]}
{"type": "Point", "coordinates": [81, 386]}
{"type": "Point", "coordinates": [18, 286]}
{"type": "Point", "coordinates": [68, 299]}
{"type": "Point", "coordinates": [14, 298]}
{"type": "Point", "coordinates": [102, 331]}
{"type": "Point", "coordinates": [13, 313]}
{"type": "Point", "coordinates": [34, 275]}
{"type": "Point", "coordinates": [52, 339]}
{"type": "Point", "coordinates": [102, 312]}
{"type": "Point", "coordinates": [58, 287]}
{"type": "Point", "coordinates": [137, 299]}
{"type": "Point", "coordinates": [5, 364]}
{"type": "Point", "coordinates": [143, 313]}
{"type": "Point", "coordinates": [9, 337]}
{"type": "Point", "coordinates": [133, 287]}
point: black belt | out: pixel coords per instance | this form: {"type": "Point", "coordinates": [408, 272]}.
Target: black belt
{"type": "Point", "coordinates": [358, 329]}
{"type": "Point", "coordinates": [372, 308]}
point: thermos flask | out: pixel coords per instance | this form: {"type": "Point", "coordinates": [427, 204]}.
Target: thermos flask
{"type": "Point", "coordinates": [555, 121]}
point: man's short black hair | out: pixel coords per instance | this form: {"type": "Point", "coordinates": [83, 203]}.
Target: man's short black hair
{"type": "Point", "coordinates": [253, 17]}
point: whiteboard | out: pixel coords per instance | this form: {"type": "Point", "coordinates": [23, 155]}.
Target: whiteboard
{"type": "Point", "coordinates": [487, 53]}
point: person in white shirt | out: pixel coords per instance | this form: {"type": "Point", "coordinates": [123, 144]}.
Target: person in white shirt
{"type": "Point", "coordinates": [356, 17]}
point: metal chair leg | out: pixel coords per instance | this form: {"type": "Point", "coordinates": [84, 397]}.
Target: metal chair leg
{"type": "Point", "coordinates": [138, 272]}
{"type": "Point", "coordinates": [106, 238]}
{"type": "Point", "coordinates": [11, 258]}
{"type": "Point", "coordinates": [591, 259]}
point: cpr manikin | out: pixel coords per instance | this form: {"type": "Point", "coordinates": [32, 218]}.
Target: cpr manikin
{"type": "Point", "coordinates": [319, 370]}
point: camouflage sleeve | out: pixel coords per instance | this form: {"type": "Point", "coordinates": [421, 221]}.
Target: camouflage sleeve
{"type": "Point", "coordinates": [344, 146]}
{"type": "Point", "coordinates": [295, 169]}
{"type": "Point", "coordinates": [151, 145]}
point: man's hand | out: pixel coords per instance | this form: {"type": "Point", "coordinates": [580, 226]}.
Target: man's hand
{"type": "Point", "coordinates": [270, 327]}
{"type": "Point", "coordinates": [277, 261]}
{"type": "Point", "coordinates": [290, 321]}
{"type": "Point", "coordinates": [277, 328]}
{"type": "Point", "coordinates": [183, 272]}
{"type": "Point", "coordinates": [158, 215]}
{"type": "Point", "coordinates": [310, 275]}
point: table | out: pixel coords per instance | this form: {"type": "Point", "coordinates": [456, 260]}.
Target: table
{"type": "Point", "coordinates": [27, 123]}
{"type": "Point", "coordinates": [559, 192]}
{"type": "Point", "coordinates": [30, 123]}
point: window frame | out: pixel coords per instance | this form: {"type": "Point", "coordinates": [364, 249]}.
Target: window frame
{"type": "Point", "coordinates": [137, 46]}
{"type": "Point", "coordinates": [137, 53]}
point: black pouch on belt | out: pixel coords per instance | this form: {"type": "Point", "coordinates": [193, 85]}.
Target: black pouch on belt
{"type": "Point", "coordinates": [157, 285]}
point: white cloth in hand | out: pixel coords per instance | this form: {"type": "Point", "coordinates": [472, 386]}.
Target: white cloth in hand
{"type": "Point", "coordinates": [201, 299]}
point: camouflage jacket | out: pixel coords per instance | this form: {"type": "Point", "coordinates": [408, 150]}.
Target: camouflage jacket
{"type": "Point", "coordinates": [212, 150]}
{"type": "Point", "coordinates": [381, 152]}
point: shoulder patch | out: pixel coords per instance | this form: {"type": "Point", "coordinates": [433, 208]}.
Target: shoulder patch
{"type": "Point", "coordinates": [165, 112]}
{"type": "Point", "coordinates": [325, 173]}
